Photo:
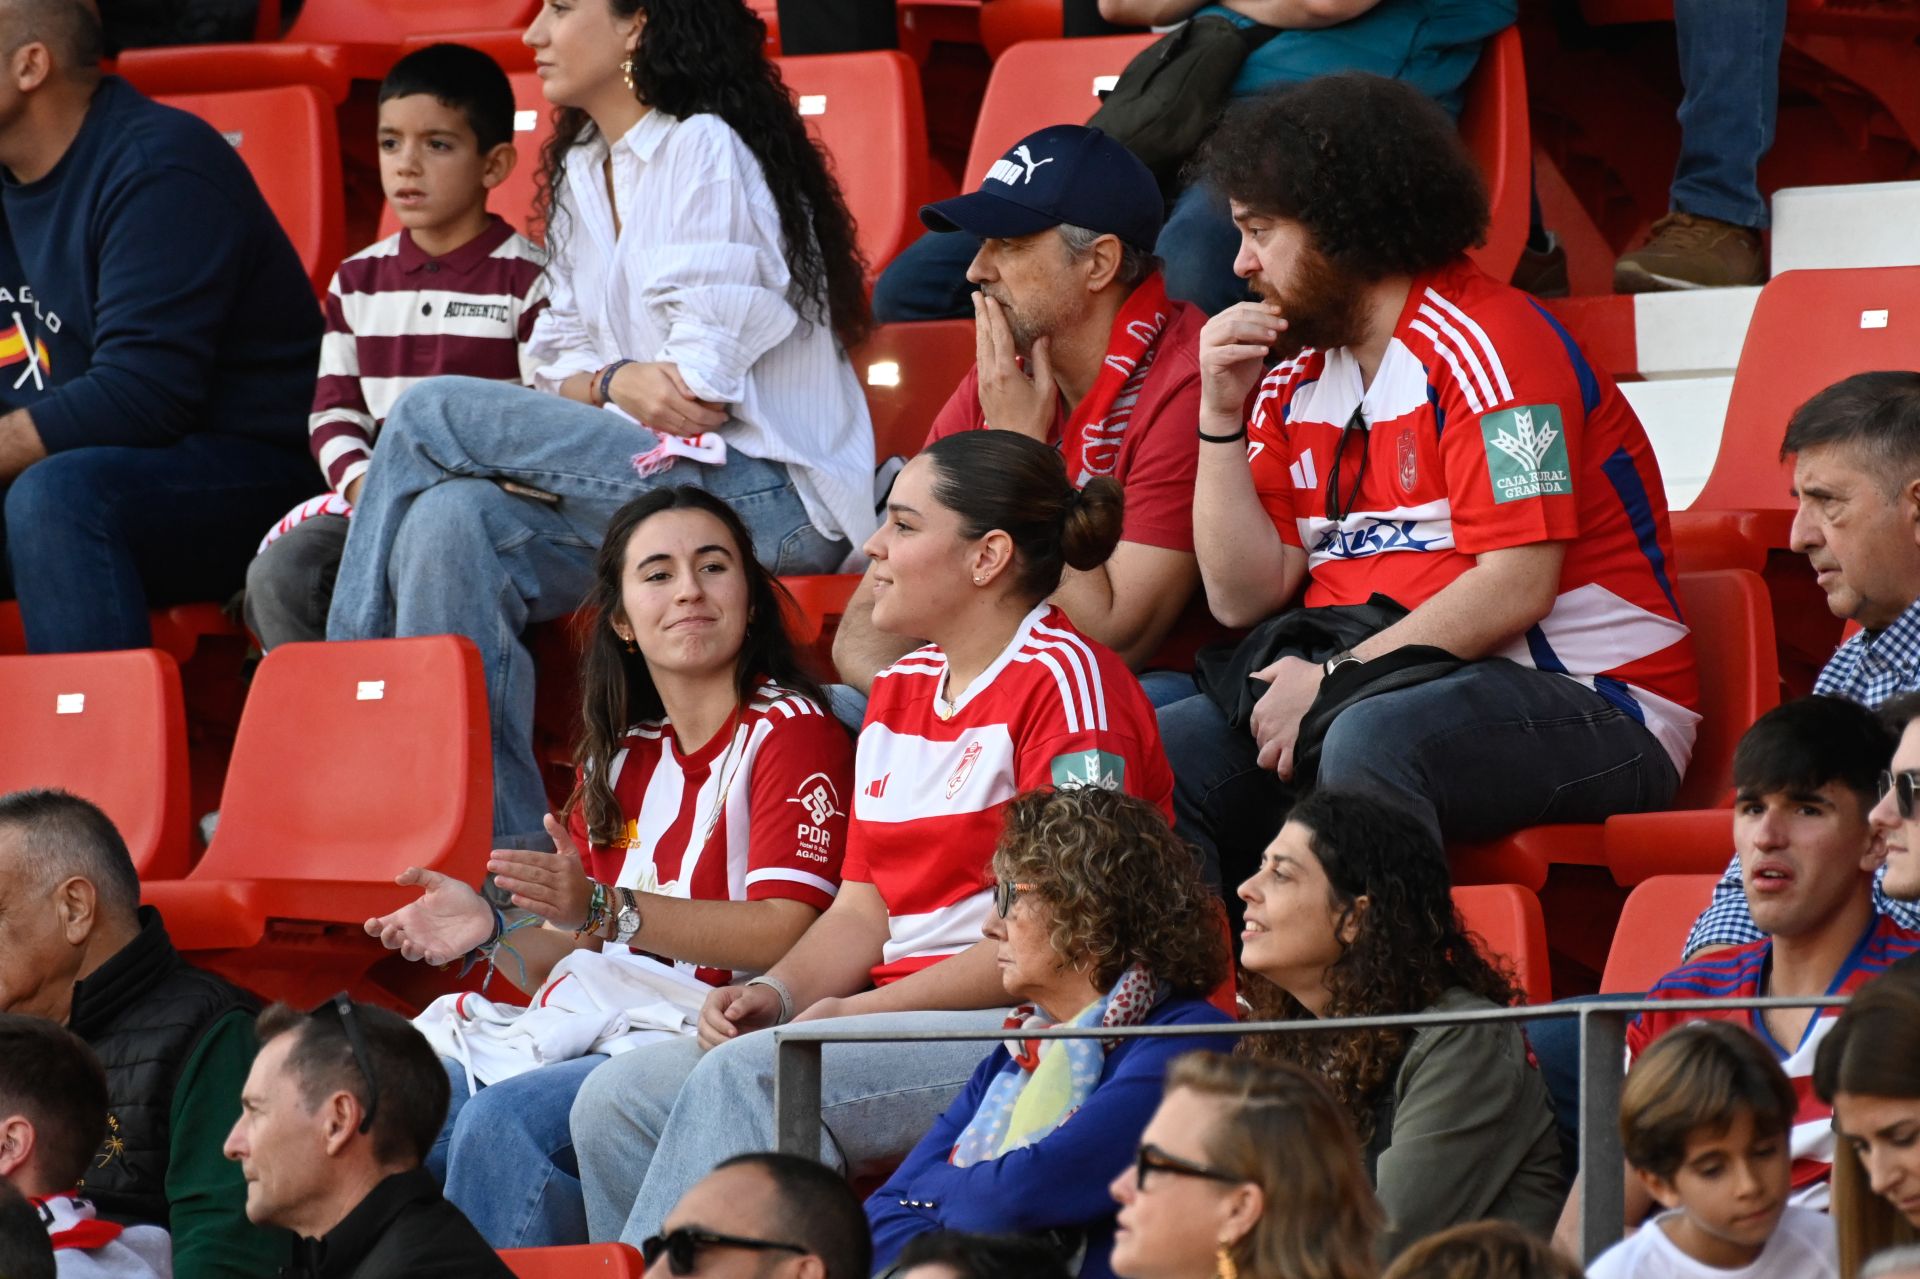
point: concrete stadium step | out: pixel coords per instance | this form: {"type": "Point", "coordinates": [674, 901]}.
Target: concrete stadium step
{"type": "Point", "coordinates": [1864, 224]}
{"type": "Point", "coordinates": [1683, 417]}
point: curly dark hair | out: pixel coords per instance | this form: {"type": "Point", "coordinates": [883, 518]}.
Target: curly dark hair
{"type": "Point", "coordinates": [1123, 889]}
{"type": "Point", "coordinates": [1372, 167]}
{"type": "Point", "coordinates": [1409, 947]}
{"type": "Point", "coordinates": [708, 57]}
{"type": "Point", "coordinates": [616, 686]}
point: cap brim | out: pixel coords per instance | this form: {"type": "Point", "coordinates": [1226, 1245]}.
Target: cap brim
{"type": "Point", "coordinates": [986, 215]}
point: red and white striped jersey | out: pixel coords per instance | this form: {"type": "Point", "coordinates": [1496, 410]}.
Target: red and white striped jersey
{"type": "Point", "coordinates": [1484, 428]}
{"type": "Point", "coordinates": [931, 776]}
{"type": "Point", "coordinates": [758, 812]}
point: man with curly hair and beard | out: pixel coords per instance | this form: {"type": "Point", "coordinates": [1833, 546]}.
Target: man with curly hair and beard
{"type": "Point", "coordinates": [1387, 421]}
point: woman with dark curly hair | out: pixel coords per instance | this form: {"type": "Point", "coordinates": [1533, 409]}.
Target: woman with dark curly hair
{"type": "Point", "coordinates": [1351, 915]}
{"type": "Point", "coordinates": [1101, 919]}
{"type": "Point", "coordinates": [704, 290]}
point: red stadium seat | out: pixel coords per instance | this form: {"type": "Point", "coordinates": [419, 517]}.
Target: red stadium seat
{"type": "Point", "coordinates": [1493, 122]}
{"type": "Point", "coordinates": [109, 727]}
{"type": "Point", "coordinates": [1652, 930]}
{"type": "Point", "coordinates": [287, 137]}
{"type": "Point", "coordinates": [909, 371]}
{"type": "Point", "coordinates": [1005, 23]}
{"type": "Point", "coordinates": [352, 762]}
{"type": "Point", "coordinates": [1043, 82]}
{"type": "Point", "coordinates": [865, 111]}
{"type": "Point", "coordinates": [581, 1261]}
{"type": "Point", "coordinates": [1732, 623]}
{"type": "Point", "coordinates": [1508, 922]}
{"type": "Point", "coordinates": [514, 198]}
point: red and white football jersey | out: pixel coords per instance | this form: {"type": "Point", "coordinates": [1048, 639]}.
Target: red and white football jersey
{"type": "Point", "coordinates": [931, 777]}
{"type": "Point", "coordinates": [1485, 427]}
{"type": "Point", "coordinates": [758, 812]}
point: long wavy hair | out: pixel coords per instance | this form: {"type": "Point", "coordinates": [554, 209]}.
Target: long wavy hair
{"type": "Point", "coordinates": [1408, 947]}
{"type": "Point", "coordinates": [708, 57]}
{"type": "Point", "coordinates": [616, 686]}
{"type": "Point", "coordinates": [1873, 1050]}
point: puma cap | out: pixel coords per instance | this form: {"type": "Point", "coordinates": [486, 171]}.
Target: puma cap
{"type": "Point", "coordinates": [1066, 174]}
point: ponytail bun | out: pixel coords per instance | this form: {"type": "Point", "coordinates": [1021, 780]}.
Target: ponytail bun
{"type": "Point", "coordinates": [1092, 527]}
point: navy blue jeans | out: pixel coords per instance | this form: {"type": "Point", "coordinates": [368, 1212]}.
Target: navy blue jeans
{"type": "Point", "coordinates": [1730, 65]}
{"type": "Point", "coordinates": [1476, 754]}
{"type": "Point", "coordinates": [94, 537]}
{"type": "Point", "coordinates": [928, 281]}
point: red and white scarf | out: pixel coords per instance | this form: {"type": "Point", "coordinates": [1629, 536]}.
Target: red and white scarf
{"type": "Point", "coordinates": [1091, 438]}
{"type": "Point", "coordinates": [71, 1223]}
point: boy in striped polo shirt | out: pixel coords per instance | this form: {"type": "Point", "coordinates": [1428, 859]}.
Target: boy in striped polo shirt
{"type": "Point", "coordinates": [455, 291]}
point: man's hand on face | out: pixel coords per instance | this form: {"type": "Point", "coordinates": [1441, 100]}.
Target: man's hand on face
{"type": "Point", "coordinates": [1233, 350]}
{"type": "Point", "coordinates": [1012, 398]}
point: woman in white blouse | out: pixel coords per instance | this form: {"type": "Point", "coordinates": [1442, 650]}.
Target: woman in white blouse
{"type": "Point", "coordinates": [705, 290]}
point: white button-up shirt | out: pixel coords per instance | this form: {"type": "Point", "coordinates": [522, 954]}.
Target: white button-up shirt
{"type": "Point", "coordinates": [697, 277]}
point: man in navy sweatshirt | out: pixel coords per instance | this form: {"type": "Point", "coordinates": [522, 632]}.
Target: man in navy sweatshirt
{"type": "Point", "coordinates": [158, 340]}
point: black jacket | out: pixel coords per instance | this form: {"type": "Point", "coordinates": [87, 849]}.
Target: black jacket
{"type": "Point", "coordinates": [403, 1229]}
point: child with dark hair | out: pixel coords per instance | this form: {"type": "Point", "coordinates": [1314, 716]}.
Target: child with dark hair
{"type": "Point", "coordinates": [454, 291]}
{"type": "Point", "coordinates": [53, 1115]}
{"type": "Point", "coordinates": [1705, 1119]}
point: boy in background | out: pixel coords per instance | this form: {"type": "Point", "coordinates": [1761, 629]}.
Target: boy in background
{"type": "Point", "coordinates": [455, 291]}
{"type": "Point", "coordinates": [1705, 1118]}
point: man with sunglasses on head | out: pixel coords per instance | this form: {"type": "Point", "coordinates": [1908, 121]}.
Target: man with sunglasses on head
{"type": "Point", "coordinates": [1808, 834]}
{"type": "Point", "coordinates": [764, 1216]}
{"type": "Point", "coordinates": [337, 1116]}
{"type": "Point", "coordinates": [1388, 421]}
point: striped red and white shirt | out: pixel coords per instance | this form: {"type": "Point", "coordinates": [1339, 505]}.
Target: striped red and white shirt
{"type": "Point", "coordinates": [932, 776]}
{"type": "Point", "coordinates": [758, 812]}
{"type": "Point", "coordinates": [396, 315]}
{"type": "Point", "coordinates": [1741, 973]}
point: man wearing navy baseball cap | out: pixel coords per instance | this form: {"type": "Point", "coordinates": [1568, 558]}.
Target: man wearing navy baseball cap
{"type": "Point", "coordinates": [1078, 346]}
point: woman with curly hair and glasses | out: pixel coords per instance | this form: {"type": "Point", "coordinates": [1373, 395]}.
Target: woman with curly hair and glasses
{"type": "Point", "coordinates": [1100, 919]}
{"type": "Point", "coordinates": [1350, 914]}
{"type": "Point", "coordinates": [1247, 1171]}
{"type": "Point", "coordinates": [705, 289]}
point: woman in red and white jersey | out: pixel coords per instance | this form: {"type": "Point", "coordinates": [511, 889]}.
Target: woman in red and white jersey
{"type": "Point", "coordinates": [1007, 697]}
{"type": "Point", "coordinates": [710, 803]}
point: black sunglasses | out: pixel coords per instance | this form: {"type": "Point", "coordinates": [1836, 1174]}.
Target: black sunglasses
{"type": "Point", "coordinates": [341, 1006]}
{"type": "Point", "coordinates": [1153, 1159]}
{"type": "Point", "coordinates": [683, 1247]}
{"type": "Point", "coordinates": [1005, 894]}
{"type": "Point", "coordinates": [1338, 508]}
{"type": "Point", "coordinates": [1903, 786]}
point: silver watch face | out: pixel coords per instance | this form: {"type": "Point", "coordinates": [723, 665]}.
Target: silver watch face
{"type": "Point", "coordinates": [628, 921]}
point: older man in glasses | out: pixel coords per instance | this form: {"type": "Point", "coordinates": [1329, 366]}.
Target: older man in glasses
{"type": "Point", "coordinates": [337, 1116]}
{"type": "Point", "coordinates": [764, 1216]}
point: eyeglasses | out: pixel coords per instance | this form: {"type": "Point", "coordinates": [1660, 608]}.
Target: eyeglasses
{"type": "Point", "coordinates": [683, 1247]}
{"type": "Point", "coordinates": [1005, 894]}
{"type": "Point", "coordinates": [341, 1006]}
{"type": "Point", "coordinates": [1904, 786]}
{"type": "Point", "coordinates": [1337, 507]}
{"type": "Point", "coordinates": [1153, 1159]}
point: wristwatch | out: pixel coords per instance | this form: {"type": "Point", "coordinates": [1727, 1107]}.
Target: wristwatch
{"type": "Point", "coordinates": [626, 920]}
{"type": "Point", "coordinates": [1344, 657]}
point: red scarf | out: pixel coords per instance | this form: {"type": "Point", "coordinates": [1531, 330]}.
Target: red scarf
{"type": "Point", "coordinates": [1091, 438]}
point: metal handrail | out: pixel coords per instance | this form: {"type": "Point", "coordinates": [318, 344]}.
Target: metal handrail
{"type": "Point", "coordinates": [1603, 1058]}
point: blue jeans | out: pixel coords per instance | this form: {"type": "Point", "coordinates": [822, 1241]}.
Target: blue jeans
{"type": "Point", "coordinates": [94, 537]}
{"type": "Point", "coordinates": [928, 281]}
{"type": "Point", "coordinates": [1555, 1042]}
{"type": "Point", "coordinates": [1475, 754]}
{"type": "Point", "coordinates": [505, 1155]}
{"type": "Point", "coordinates": [437, 547]}
{"type": "Point", "coordinates": [1730, 65]}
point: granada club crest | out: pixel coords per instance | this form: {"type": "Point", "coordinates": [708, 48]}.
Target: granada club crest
{"type": "Point", "coordinates": [968, 758]}
{"type": "Point", "coordinates": [1409, 457]}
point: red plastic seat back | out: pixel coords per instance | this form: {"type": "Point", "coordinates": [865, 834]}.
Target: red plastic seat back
{"type": "Point", "coordinates": [865, 111]}
{"type": "Point", "coordinates": [354, 761]}
{"type": "Point", "coordinates": [514, 198]}
{"type": "Point", "coordinates": [108, 727]}
{"type": "Point", "coordinates": [583, 1261]}
{"type": "Point", "coordinates": [909, 371]}
{"type": "Point", "coordinates": [1493, 122]}
{"type": "Point", "coordinates": [1508, 922]}
{"type": "Point", "coordinates": [1732, 620]}
{"type": "Point", "coordinates": [391, 21]}
{"type": "Point", "coordinates": [1042, 82]}
{"type": "Point", "coordinates": [1652, 930]}
{"type": "Point", "coordinates": [1809, 330]}
{"type": "Point", "coordinates": [287, 137]}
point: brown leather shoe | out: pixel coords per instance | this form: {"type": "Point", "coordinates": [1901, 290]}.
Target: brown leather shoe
{"type": "Point", "coordinates": [1542, 272]}
{"type": "Point", "coordinates": [1690, 252]}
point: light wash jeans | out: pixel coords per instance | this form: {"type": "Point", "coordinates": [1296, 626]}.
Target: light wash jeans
{"type": "Point", "coordinates": [438, 547]}
{"type": "Point", "coordinates": [652, 1122]}
{"type": "Point", "coordinates": [505, 1156]}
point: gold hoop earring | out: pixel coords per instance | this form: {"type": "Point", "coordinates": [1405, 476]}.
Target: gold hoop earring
{"type": "Point", "coordinates": [626, 73]}
{"type": "Point", "coordinates": [1224, 1265]}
